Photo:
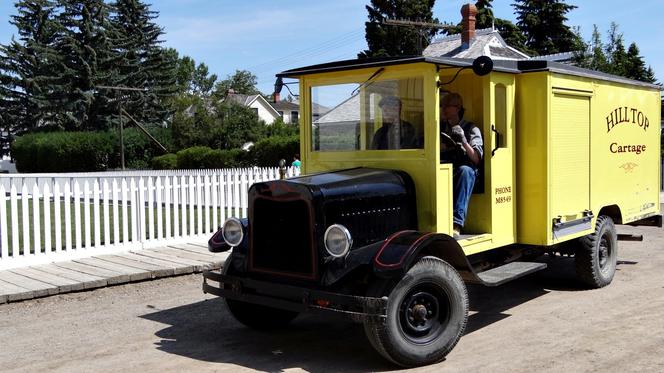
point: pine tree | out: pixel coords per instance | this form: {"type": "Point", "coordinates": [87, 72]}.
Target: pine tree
{"type": "Point", "coordinates": [391, 40]}
{"type": "Point", "coordinates": [144, 64]}
{"type": "Point", "coordinates": [89, 62]}
{"type": "Point", "coordinates": [543, 23]}
{"type": "Point", "coordinates": [28, 88]}
{"type": "Point", "coordinates": [611, 57]}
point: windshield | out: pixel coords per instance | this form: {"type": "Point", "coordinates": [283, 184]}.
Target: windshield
{"type": "Point", "coordinates": [375, 115]}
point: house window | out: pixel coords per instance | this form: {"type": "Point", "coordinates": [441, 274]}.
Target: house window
{"type": "Point", "coordinates": [295, 117]}
{"type": "Point", "coordinates": [255, 109]}
{"type": "Point", "coordinates": [281, 113]}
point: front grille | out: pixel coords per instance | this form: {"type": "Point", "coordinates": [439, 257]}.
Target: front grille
{"type": "Point", "coordinates": [281, 238]}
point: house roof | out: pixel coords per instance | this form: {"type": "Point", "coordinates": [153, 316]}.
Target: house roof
{"type": "Point", "coordinates": [346, 111]}
{"type": "Point", "coordinates": [248, 100]}
{"type": "Point", "coordinates": [241, 99]}
{"type": "Point", "coordinates": [487, 42]}
{"type": "Point", "coordinates": [285, 106]}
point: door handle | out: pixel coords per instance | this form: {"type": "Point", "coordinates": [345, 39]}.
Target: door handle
{"type": "Point", "coordinates": [498, 138]}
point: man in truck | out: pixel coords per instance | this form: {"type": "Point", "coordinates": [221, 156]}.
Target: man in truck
{"type": "Point", "coordinates": [465, 152]}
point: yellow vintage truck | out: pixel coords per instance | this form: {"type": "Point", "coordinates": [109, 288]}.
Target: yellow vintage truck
{"type": "Point", "coordinates": [368, 232]}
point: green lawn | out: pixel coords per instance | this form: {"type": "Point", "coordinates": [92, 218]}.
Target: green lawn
{"type": "Point", "coordinates": [113, 239]}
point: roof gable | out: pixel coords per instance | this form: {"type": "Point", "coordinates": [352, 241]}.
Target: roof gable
{"type": "Point", "coordinates": [487, 42]}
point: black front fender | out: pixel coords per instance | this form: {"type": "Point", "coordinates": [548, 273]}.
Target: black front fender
{"type": "Point", "coordinates": [393, 257]}
{"type": "Point", "coordinates": [399, 252]}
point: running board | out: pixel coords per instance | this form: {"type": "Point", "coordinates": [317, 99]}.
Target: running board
{"type": "Point", "coordinates": [508, 272]}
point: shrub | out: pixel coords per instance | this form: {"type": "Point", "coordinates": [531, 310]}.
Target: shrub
{"type": "Point", "coordinates": [268, 152]}
{"type": "Point", "coordinates": [204, 157]}
{"type": "Point", "coordinates": [165, 162]}
{"type": "Point", "coordinates": [222, 158]}
{"type": "Point", "coordinates": [192, 157]}
{"type": "Point", "coordinates": [63, 151]}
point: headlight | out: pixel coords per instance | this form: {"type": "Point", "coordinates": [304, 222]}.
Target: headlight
{"type": "Point", "coordinates": [232, 231]}
{"type": "Point", "coordinates": [337, 240]}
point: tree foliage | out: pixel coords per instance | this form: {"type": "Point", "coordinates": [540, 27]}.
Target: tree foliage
{"type": "Point", "coordinates": [242, 81]}
{"type": "Point", "coordinates": [611, 56]}
{"type": "Point", "coordinates": [143, 63]}
{"type": "Point", "coordinates": [391, 40]}
{"type": "Point", "coordinates": [68, 52]}
{"type": "Point", "coordinates": [209, 122]}
{"type": "Point", "coordinates": [28, 88]}
{"type": "Point", "coordinates": [543, 24]}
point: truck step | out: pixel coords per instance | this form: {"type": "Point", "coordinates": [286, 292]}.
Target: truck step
{"type": "Point", "coordinates": [508, 272]}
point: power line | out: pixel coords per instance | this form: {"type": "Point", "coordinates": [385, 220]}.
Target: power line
{"type": "Point", "coordinates": [312, 55]}
{"type": "Point", "coordinates": [339, 40]}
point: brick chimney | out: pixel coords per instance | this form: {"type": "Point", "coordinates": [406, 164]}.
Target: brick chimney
{"type": "Point", "coordinates": [276, 97]}
{"type": "Point", "coordinates": [468, 13]}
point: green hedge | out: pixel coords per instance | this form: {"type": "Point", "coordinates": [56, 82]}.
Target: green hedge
{"type": "Point", "coordinates": [204, 157]}
{"type": "Point", "coordinates": [63, 151]}
{"type": "Point", "coordinates": [268, 152]}
{"type": "Point", "coordinates": [99, 151]}
{"type": "Point", "coordinates": [165, 162]}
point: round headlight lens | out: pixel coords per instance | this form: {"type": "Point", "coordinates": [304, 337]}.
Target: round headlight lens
{"type": "Point", "coordinates": [232, 231]}
{"type": "Point", "coordinates": [337, 240]}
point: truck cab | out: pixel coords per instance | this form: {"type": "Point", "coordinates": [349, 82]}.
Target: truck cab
{"type": "Point", "coordinates": [367, 230]}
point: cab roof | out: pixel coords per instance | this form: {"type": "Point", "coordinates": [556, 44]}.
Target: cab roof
{"type": "Point", "coordinates": [507, 66]}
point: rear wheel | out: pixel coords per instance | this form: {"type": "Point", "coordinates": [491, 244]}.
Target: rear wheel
{"type": "Point", "coordinates": [254, 315]}
{"type": "Point", "coordinates": [426, 315]}
{"type": "Point", "coordinates": [597, 254]}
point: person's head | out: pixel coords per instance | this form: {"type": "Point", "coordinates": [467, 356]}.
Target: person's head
{"type": "Point", "coordinates": [391, 107]}
{"type": "Point", "coordinates": [296, 157]}
{"type": "Point", "coordinates": [451, 105]}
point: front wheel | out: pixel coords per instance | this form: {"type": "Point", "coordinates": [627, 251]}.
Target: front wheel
{"type": "Point", "coordinates": [427, 313]}
{"type": "Point", "coordinates": [597, 254]}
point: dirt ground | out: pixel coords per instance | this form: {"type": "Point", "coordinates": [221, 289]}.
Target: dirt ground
{"type": "Point", "coordinates": [545, 322]}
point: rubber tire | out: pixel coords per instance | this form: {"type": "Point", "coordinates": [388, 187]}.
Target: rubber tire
{"type": "Point", "coordinates": [257, 316]}
{"type": "Point", "coordinates": [387, 336]}
{"type": "Point", "coordinates": [587, 256]}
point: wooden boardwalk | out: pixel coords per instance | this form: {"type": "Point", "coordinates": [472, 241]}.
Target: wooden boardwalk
{"type": "Point", "coordinates": [104, 270]}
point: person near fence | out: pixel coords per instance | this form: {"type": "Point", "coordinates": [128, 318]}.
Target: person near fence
{"type": "Point", "coordinates": [296, 161]}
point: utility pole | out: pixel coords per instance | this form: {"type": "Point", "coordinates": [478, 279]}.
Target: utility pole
{"type": "Point", "coordinates": [122, 111]}
{"type": "Point", "coordinates": [418, 24]}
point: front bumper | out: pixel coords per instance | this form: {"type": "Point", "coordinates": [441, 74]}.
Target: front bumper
{"type": "Point", "coordinates": [293, 298]}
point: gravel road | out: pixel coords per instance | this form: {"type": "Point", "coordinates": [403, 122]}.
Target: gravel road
{"type": "Point", "coordinates": [544, 322]}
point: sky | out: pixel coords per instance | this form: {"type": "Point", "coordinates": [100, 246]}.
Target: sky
{"type": "Point", "coordinates": [267, 36]}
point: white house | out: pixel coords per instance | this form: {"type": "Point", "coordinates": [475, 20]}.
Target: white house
{"type": "Point", "coordinates": [258, 103]}
{"type": "Point", "coordinates": [289, 111]}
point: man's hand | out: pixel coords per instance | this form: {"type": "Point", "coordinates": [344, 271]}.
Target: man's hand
{"type": "Point", "coordinates": [458, 135]}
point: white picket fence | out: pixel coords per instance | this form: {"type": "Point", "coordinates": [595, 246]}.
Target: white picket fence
{"type": "Point", "coordinates": [54, 217]}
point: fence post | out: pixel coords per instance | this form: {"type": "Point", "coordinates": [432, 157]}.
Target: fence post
{"type": "Point", "coordinates": [96, 221]}
{"type": "Point", "coordinates": [57, 192]}
{"type": "Point", "coordinates": [4, 248]}
{"type": "Point", "coordinates": [47, 218]}
{"type": "Point", "coordinates": [167, 205]}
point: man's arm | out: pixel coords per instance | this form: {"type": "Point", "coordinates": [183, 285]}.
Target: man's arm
{"type": "Point", "coordinates": [474, 147]}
